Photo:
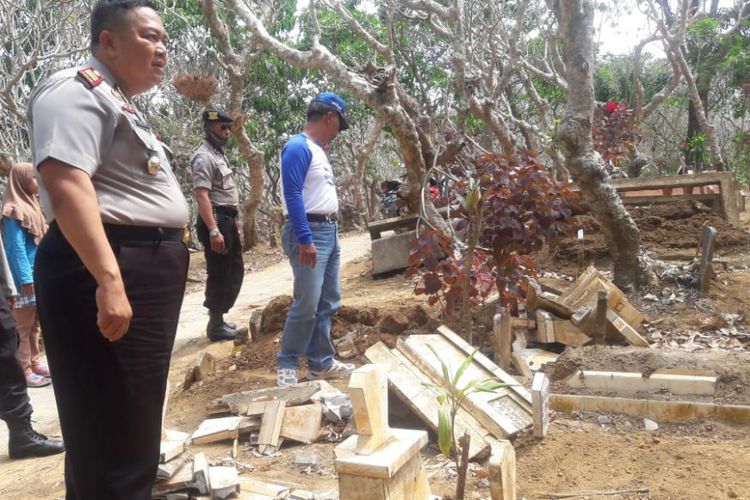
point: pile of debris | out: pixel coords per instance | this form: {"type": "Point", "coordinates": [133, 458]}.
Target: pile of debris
{"type": "Point", "coordinates": [262, 417]}
{"type": "Point", "coordinates": [591, 311]}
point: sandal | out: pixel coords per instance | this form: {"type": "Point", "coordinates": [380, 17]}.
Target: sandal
{"type": "Point", "coordinates": [34, 380]}
{"type": "Point", "coordinates": [41, 369]}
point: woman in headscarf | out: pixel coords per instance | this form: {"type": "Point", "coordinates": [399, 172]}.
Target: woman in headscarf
{"type": "Point", "coordinates": [23, 226]}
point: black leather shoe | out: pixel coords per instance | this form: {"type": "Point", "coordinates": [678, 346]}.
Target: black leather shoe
{"type": "Point", "coordinates": [220, 332]}
{"type": "Point", "coordinates": [23, 441]}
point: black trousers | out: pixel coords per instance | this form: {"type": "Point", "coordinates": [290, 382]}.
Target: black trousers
{"type": "Point", "coordinates": [14, 398]}
{"type": "Point", "coordinates": [110, 394]}
{"type": "Point", "coordinates": [225, 271]}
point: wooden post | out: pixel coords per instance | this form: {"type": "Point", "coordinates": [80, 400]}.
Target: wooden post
{"type": "Point", "coordinates": [368, 388]}
{"type": "Point", "coordinates": [502, 328]}
{"type": "Point", "coordinates": [705, 269]}
{"type": "Point", "coordinates": [502, 471]}
{"type": "Point", "coordinates": [580, 252]}
{"type": "Point", "coordinates": [540, 404]}
{"type": "Point", "coordinates": [599, 328]}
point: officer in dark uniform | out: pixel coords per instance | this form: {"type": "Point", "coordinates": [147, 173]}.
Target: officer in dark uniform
{"type": "Point", "coordinates": [218, 200]}
{"type": "Point", "coordinates": [15, 409]}
{"type": "Point", "coordinates": [111, 270]}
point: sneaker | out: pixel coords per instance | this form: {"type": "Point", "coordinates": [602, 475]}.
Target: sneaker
{"type": "Point", "coordinates": [34, 380]}
{"type": "Point", "coordinates": [41, 369]}
{"type": "Point", "coordinates": [286, 376]}
{"type": "Point", "coordinates": [336, 370]}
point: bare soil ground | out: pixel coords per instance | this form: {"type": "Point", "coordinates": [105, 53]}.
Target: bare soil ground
{"type": "Point", "coordinates": [583, 452]}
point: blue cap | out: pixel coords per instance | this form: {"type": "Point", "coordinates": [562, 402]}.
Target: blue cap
{"type": "Point", "coordinates": [336, 104]}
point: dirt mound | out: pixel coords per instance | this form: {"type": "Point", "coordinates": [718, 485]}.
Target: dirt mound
{"type": "Point", "coordinates": [732, 368]}
{"type": "Point", "coordinates": [274, 314]}
{"type": "Point", "coordinates": [367, 324]}
{"type": "Point", "coordinates": [663, 228]}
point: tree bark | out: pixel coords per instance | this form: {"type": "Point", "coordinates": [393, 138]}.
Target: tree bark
{"type": "Point", "coordinates": [359, 185]}
{"type": "Point", "coordinates": [576, 21]}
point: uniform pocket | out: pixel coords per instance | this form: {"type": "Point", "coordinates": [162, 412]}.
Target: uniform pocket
{"type": "Point", "coordinates": [225, 176]}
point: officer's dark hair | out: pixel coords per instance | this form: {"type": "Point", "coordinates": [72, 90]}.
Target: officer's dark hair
{"type": "Point", "coordinates": [109, 13]}
{"type": "Point", "coordinates": [317, 110]}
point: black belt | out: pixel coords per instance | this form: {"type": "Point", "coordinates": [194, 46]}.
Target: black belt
{"type": "Point", "coordinates": [229, 210]}
{"type": "Point", "coordinates": [330, 218]}
{"type": "Point", "coordinates": [143, 233]}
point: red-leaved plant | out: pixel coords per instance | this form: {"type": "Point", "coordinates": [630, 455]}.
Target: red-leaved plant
{"type": "Point", "coordinates": [505, 209]}
{"type": "Point", "coordinates": [614, 131]}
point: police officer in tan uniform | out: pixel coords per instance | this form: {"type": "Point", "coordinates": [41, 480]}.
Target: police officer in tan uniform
{"type": "Point", "coordinates": [111, 270]}
{"type": "Point", "coordinates": [217, 199]}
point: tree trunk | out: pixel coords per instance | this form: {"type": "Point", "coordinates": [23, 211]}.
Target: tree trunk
{"type": "Point", "coordinates": [576, 19]}
{"type": "Point", "coordinates": [236, 70]}
{"type": "Point", "coordinates": [254, 159]}
{"type": "Point", "coordinates": [363, 157]}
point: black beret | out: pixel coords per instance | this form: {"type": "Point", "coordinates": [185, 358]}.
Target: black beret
{"type": "Point", "coordinates": [216, 115]}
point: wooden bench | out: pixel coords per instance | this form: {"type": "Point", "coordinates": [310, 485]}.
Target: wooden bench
{"type": "Point", "coordinates": [725, 198]}
{"type": "Point", "coordinates": [406, 222]}
{"type": "Point", "coordinates": [379, 226]}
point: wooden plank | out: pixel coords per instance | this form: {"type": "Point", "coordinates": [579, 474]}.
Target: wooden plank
{"type": "Point", "coordinates": [384, 462]}
{"type": "Point", "coordinates": [302, 423]}
{"type": "Point", "coordinates": [625, 329]}
{"type": "Point", "coordinates": [569, 334]}
{"type": "Point", "coordinates": [545, 330]}
{"type": "Point", "coordinates": [503, 338]}
{"type": "Point", "coordinates": [169, 450]}
{"type": "Point", "coordinates": [502, 471]}
{"type": "Point", "coordinates": [574, 291]}
{"type": "Point", "coordinates": [216, 429]}
{"type": "Point", "coordinates": [294, 395]}
{"type": "Point", "coordinates": [540, 403]}
{"type": "Point", "coordinates": [503, 412]}
{"type": "Point", "coordinates": [484, 362]}
{"type": "Point", "coordinates": [415, 389]}
{"type": "Point", "coordinates": [531, 360]}
{"type": "Point", "coordinates": [256, 408]}
{"type": "Point", "coordinates": [584, 292]}
{"type": "Point", "coordinates": [169, 469]}
{"type": "Point", "coordinates": [671, 181]}
{"type": "Point", "coordinates": [526, 323]}
{"type": "Point", "coordinates": [664, 199]}
{"type": "Point", "coordinates": [270, 428]}
{"type": "Point", "coordinates": [201, 479]}
{"type": "Point", "coordinates": [537, 299]}
{"type": "Point", "coordinates": [628, 382]}
{"type": "Point", "coordinates": [181, 480]}
{"type": "Point", "coordinates": [663, 411]}
{"type": "Point", "coordinates": [254, 486]}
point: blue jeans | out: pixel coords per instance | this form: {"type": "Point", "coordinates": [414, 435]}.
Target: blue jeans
{"type": "Point", "coordinates": [317, 297]}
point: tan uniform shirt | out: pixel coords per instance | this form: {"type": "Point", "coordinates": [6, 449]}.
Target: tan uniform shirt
{"type": "Point", "coordinates": [97, 130]}
{"type": "Point", "coordinates": [211, 171]}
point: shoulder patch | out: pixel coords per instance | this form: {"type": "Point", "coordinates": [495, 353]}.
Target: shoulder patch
{"type": "Point", "coordinates": [198, 161]}
{"type": "Point", "coordinates": [90, 76]}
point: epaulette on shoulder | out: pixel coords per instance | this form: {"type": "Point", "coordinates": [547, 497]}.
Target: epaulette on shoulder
{"type": "Point", "coordinates": [90, 76]}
